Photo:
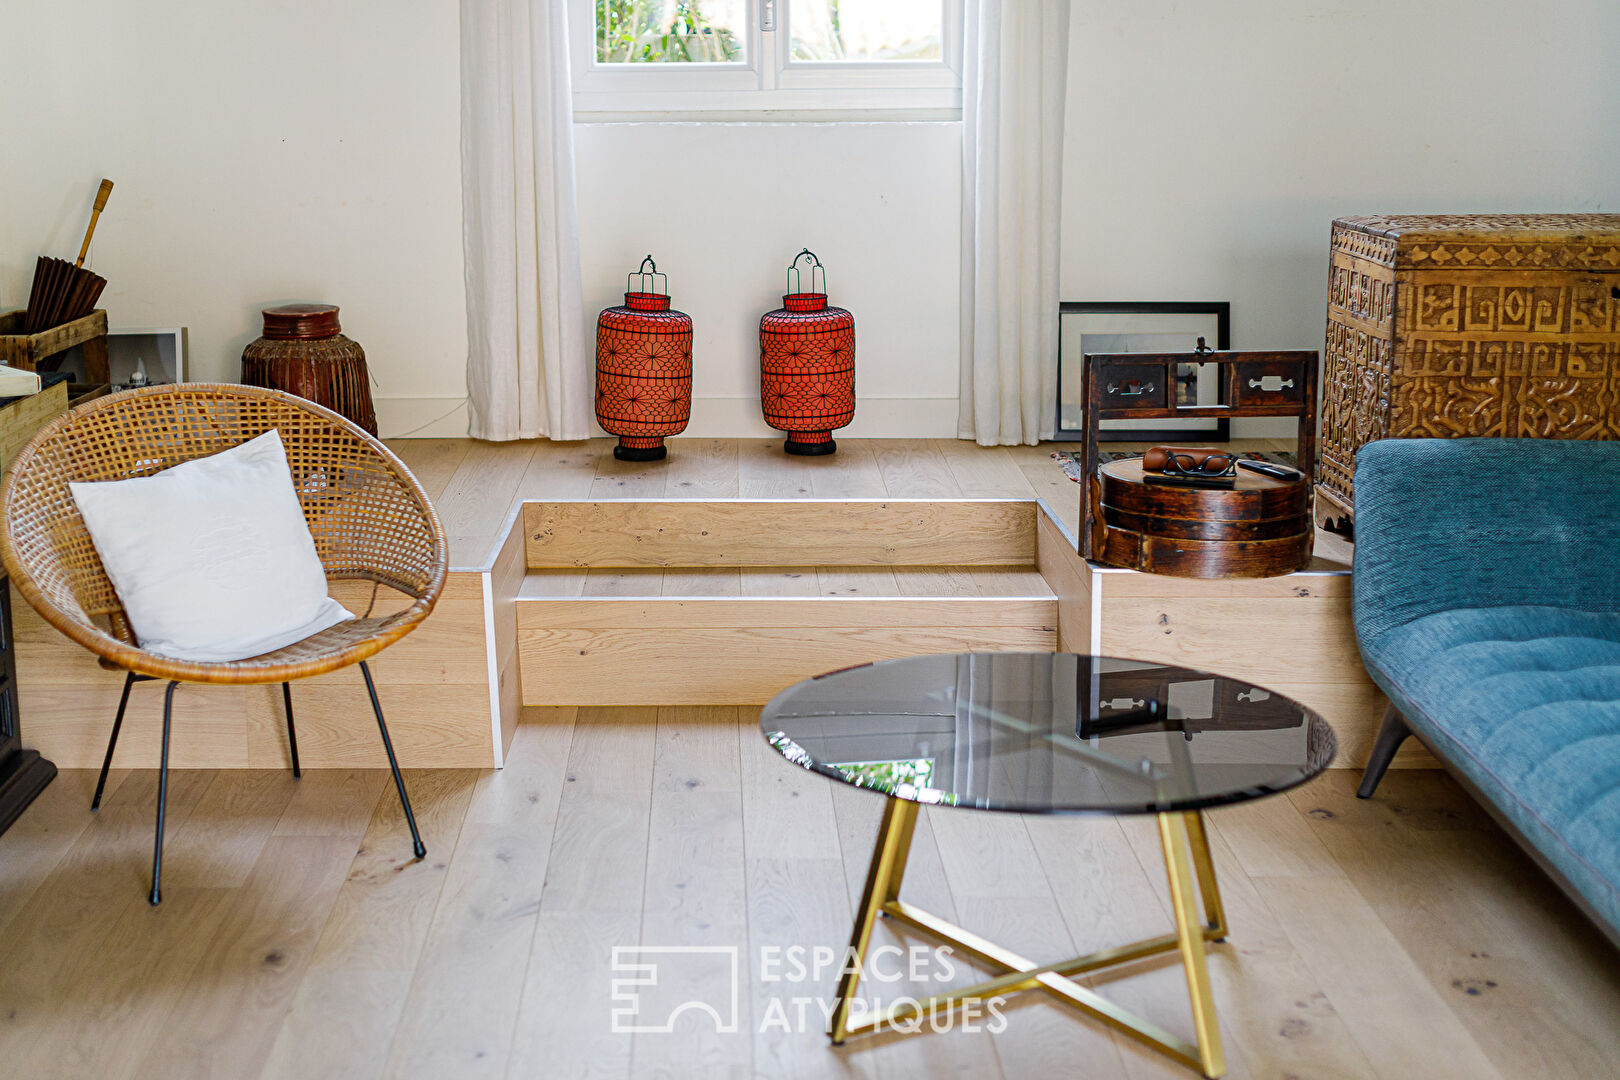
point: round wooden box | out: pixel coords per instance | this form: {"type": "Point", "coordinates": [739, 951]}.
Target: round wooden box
{"type": "Point", "coordinates": [1260, 527]}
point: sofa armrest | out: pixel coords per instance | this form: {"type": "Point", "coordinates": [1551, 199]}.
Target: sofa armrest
{"type": "Point", "coordinates": [1469, 523]}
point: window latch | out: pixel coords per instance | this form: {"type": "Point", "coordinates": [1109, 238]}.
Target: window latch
{"type": "Point", "coordinates": [767, 14]}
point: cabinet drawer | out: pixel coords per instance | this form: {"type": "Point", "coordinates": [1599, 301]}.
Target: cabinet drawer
{"type": "Point", "coordinates": [1132, 386]}
{"type": "Point", "coordinates": [1267, 382]}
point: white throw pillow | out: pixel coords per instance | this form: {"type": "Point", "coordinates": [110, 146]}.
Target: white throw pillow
{"type": "Point", "coordinates": [212, 558]}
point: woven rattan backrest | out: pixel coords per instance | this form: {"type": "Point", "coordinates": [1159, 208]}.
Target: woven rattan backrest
{"type": "Point", "coordinates": [369, 517]}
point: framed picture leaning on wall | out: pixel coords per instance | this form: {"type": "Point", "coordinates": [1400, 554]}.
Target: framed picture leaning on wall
{"type": "Point", "coordinates": [156, 354]}
{"type": "Point", "coordinates": [1086, 327]}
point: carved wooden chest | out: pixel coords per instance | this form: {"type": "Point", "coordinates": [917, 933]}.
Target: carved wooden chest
{"type": "Point", "coordinates": [1503, 325]}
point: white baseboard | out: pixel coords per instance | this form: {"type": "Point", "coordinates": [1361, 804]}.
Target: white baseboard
{"type": "Point", "coordinates": [712, 418]}
{"type": "Point", "coordinates": [739, 418]}
{"type": "Point", "coordinates": [875, 418]}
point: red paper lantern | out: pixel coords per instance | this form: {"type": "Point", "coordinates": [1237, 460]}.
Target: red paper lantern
{"type": "Point", "coordinates": [643, 368]}
{"type": "Point", "coordinates": [807, 365]}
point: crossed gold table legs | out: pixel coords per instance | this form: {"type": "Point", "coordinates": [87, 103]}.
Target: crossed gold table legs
{"type": "Point", "coordinates": [1188, 865]}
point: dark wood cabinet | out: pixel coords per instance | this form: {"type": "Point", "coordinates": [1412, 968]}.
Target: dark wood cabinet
{"type": "Point", "coordinates": [23, 773]}
{"type": "Point", "coordinates": [1261, 527]}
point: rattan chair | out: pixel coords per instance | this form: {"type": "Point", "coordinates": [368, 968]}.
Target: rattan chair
{"type": "Point", "coordinates": [370, 519]}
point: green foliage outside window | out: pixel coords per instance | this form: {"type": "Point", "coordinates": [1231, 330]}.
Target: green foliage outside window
{"type": "Point", "coordinates": [661, 31]}
{"type": "Point", "coordinates": [711, 31]}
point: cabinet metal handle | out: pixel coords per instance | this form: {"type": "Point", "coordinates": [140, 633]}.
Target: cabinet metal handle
{"type": "Point", "coordinates": [1277, 383]}
{"type": "Point", "coordinates": [1132, 389]}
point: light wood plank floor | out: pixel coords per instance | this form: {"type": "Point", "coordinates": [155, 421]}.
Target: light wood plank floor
{"type": "Point", "coordinates": [1396, 938]}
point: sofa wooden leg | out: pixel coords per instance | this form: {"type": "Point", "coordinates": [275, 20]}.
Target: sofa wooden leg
{"type": "Point", "coordinates": [1390, 737]}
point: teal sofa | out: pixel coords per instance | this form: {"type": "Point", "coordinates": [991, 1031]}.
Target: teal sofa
{"type": "Point", "coordinates": [1487, 606]}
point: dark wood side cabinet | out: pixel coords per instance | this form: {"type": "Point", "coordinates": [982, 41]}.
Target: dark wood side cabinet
{"type": "Point", "coordinates": [23, 773]}
{"type": "Point", "coordinates": [1260, 528]}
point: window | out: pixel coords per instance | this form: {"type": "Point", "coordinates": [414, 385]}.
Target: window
{"type": "Point", "coordinates": [746, 58]}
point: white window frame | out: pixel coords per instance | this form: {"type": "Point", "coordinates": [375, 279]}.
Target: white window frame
{"type": "Point", "coordinates": [769, 84]}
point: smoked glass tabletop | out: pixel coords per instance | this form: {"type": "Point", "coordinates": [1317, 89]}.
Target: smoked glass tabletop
{"type": "Point", "coordinates": [1048, 733]}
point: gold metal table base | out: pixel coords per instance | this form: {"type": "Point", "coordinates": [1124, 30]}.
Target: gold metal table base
{"type": "Point", "coordinates": [1187, 862]}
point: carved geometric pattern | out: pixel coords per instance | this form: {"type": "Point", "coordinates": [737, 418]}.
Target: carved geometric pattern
{"type": "Point", "coordinates": [1363, 245]}
{"type": "Point", "coordinates": [1356, 377]}
{"type": "Point", "coordinates": [1360, 293]}
{"type": "Point", "coordinates": [1556, 228]}
{"type": "Point", "coordinates": [807, 368]}
{"type": "Point", "coordinates": [643, 370]}
{"type": "Point", "coordinates": [1513, 331]}
{"type": "Point", "coordinates": [1485, 241]}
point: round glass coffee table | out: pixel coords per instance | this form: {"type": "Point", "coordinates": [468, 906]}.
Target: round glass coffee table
{"type": "Point", "coordinates": [1049, 733]}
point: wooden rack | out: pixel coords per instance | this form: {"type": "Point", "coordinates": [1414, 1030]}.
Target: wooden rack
{"type": "Point", "coordinates": [1141, 386]}
{"type": "Point", "coordinates": [43, 351]}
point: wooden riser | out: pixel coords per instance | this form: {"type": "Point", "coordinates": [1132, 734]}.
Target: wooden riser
{"type": "Point", "coordinates": [742, 651]}
{"type": "Point", "coordinates": [434, 688]}
{"type": "Point", "coordinates": [1291, 634]}
{"type": "Point", "coordinates": [782, 532]}
{"type": "Point", "coordinates": [449, 691]}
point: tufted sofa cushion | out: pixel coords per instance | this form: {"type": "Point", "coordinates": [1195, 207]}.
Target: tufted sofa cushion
{"type": "Point", "coordinates": [1487, 605]}
{"type": "Point", "coordinates": [1526, 702]}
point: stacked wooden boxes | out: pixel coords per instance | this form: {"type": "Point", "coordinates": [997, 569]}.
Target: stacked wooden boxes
{"type": "Point", "coordinates": [1499, 325]}
{"type": "Point", "coordinates": [28, 351]}
{"type": "Point", "coordinates": [21, 418]}
{"type": "Point", "coordinates": [31, 352]}
{"type": "Point", "coordinates": [36, 352]}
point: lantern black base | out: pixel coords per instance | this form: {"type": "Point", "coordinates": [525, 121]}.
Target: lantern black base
{"type": "Point", "coordinates": [641, 453]}
{"type": "Point", "coordinates": [811, 449]}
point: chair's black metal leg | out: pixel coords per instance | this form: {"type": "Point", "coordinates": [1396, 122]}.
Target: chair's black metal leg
{"type": "Point", "coordinates": [399, 781]}
{"type": "Point", "coordinates": [112, 741]}
{"type": "Point", "coordinates": [1390, 737]}
{"type": "Point", "coordinates": [292, 734]}
{"type": "Point", "coordinates": [163, 796]}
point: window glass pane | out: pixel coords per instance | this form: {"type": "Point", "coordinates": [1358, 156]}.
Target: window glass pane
{"type": "Point", "coordinates": [866, 29]}
{"type": "Point", "coordinates": [670, 31]}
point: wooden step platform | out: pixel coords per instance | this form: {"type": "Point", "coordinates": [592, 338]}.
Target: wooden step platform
{"type": "Point", "coordinates": [722, 602]}
{"type": "Point", "coordinates": [726, 603]}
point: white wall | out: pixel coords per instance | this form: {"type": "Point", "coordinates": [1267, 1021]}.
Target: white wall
{"type": "Point", "coordinates": [1210, 146]}
{"type": "Point", "coordinates": [724, 207]}
{"type": "Point", "coordinates": [262, 153]}
{"type": "Point", "coordinates": [310, 151]}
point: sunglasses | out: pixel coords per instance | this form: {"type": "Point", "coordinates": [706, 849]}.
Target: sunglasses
{"type": "Point", "coordinates": [1213, 465]}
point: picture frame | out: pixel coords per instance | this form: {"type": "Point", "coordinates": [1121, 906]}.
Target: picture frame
{"type": "Point", "coordinates": [1153, 326]}
{"type": "Point", "coordinates": [161, 350]}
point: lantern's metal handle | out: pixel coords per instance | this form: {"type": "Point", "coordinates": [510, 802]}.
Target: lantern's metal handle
{"type": "Point", "coordinates": [643, 274]}
{"type": "Point", "coordinates": [795, 284]}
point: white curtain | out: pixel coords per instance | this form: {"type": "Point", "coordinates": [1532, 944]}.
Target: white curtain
{"type": "Point", "coordinates": [528, 373]}
{"type": "Point", "coordinates": [1015, 68]}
